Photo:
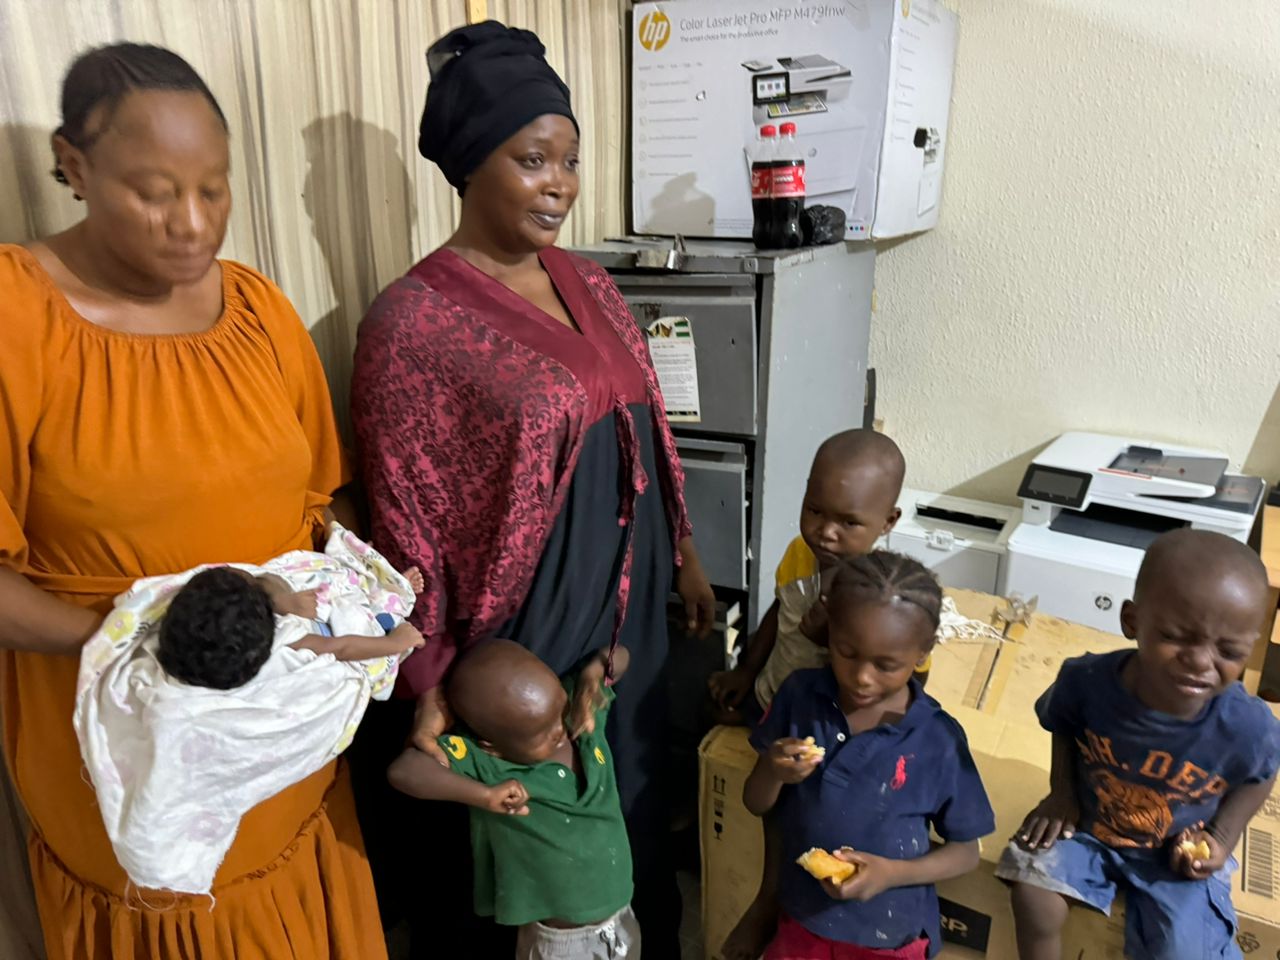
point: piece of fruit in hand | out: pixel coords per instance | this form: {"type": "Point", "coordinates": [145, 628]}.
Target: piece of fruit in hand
{"type": "Point", "coordinates": [1196, 850]}
{"type": "Point", "coordinates": [812, 751]}
{"type": "Point", "coordinates": [824, 866]}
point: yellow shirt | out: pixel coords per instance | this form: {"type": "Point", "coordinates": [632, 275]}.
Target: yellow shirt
{"type": "Point", "coordinates": [799, 583]}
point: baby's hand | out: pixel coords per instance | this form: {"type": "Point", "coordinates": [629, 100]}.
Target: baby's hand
{"type": "Point", "coordinates": [404, 638]}
{"type": "Point", "coordinates": [511, 797]}
{"type": "Point", "coordinates": [1056, 816]}
{"type": "Point", "coordinates": [792, 760]}
{"type": "Point", "coordinates": [414, 576]}
{"type": "Point", "coordinates": [1197, 854]}
{"type": "Point", "coordinates": [300, 604]}
{"type": "Point", "coordinates": [873, 877]}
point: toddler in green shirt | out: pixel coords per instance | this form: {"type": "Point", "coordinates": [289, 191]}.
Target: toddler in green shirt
{"type": "Point", "coordinates": [549, 842]}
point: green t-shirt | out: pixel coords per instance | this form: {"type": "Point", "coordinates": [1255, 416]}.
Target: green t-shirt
{"type": "Point", "coordinates": [569, 859]}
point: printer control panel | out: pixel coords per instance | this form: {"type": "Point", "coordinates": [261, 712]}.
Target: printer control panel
{"type": "Point", "coordinates": [1062, 488]}
{"type": "Point", "coordinates": [771, 87]}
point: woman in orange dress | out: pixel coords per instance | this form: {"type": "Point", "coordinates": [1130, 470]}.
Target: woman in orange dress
{"type": "Point", "coordinates": [159, 409]}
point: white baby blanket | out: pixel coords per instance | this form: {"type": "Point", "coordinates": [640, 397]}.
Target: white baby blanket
{"type": "Point", "coordinates": [175, 766]}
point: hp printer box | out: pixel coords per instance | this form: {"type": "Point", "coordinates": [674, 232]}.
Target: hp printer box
{"type": "Point", "coordinates": [866, 82]}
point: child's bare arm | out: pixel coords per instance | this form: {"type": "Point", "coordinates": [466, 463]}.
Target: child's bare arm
{"type": "Point", "coordinates": [418, 775]}
{"type": "Point", "coordinates": [1237, 809]}
{"type": "Point", "coordinates": [814, 622]}
{"type": "Point", "coordinates": [729, 687]}
{"type": "Point", "coordinates": [875, 874]}
{"type": "Point", "coordinates": [1221, 834]}
{"type": "Point", "coordinates": [1058, 814]}
{"type": "Point", "coordinates": [593, 670]}
{"type": "Point", "coordinates": [350, 647]}
{"type": "Point", "coordinates": [285, 600]}
{"type": "Point", "coordinates": [788, 760]}
{"type": "Point", "coordinates": [588, 697]}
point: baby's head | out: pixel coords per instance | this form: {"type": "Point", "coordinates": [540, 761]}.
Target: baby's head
{"type": "Point", "coordinates": [218, 631]}
{"type": "Point", "coordinates": [882, 620]}
{"type": "Point", "coordinates": [852, 496]}
{"type": "Point", "coordinates": [1197, 610]}
{"type": "Point", "coordinates": [510, 700]}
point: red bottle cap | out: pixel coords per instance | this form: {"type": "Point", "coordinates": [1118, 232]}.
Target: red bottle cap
{"type": "Point", "coordinates": [789, 129]}
{"type": "Point", "coordinates": [769, 130]}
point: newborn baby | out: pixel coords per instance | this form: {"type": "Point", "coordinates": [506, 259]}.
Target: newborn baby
{"type": "Point", "coordinates": [206, 692]}
{"type": "Point", "coordinates": [221, 627]}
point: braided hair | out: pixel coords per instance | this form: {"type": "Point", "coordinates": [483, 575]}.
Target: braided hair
{"type": "Point", "coordinates": [104, 76]}
{"type": "Point", "coordinates": [884, 576]}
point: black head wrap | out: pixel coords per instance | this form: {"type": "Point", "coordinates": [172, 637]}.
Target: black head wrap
{"type": "Point", "coordinates": [487, 81]}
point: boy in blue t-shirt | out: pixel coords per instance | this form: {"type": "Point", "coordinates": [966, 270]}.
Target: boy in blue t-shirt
{"type": "Point", "coordinates": [1160, 759]}
{"type": "Point", "coordinates": [892, 764]}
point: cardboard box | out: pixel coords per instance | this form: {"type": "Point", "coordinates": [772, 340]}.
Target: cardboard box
{"type": "Point", "coordinates": [991, 690]}
{"type": "Point", "coordinates": [732, 839]}
{"type": "Point", "coordinates": [868, 86]}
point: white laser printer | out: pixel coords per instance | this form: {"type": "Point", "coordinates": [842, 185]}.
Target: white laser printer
{"type": "Point", "coordinates": [962, 541]}
{"type": "Point", "coordinates": [1092, 504]}
{"type": "Point", "coordinates": [801, 90]}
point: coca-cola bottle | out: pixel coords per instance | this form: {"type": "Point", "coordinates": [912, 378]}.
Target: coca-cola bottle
{"type": "Point", "coordinates": [788, 191]}
{"type": "Point", "coordinates": [763, 155]}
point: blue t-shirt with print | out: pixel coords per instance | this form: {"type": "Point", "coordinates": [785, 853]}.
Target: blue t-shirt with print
{"type": "Point", "coordinates": [878, 792]}
{"type": "Point", "coordinates": [1144, 776]}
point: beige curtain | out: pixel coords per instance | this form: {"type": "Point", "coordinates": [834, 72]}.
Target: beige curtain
{"type": "Point", "coordinates": [323, 97]}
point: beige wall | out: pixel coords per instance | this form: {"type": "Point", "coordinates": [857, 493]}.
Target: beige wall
{"type": "Point", "coordinates": [1109, 251]}
{"type": "Point", "coordinates": [323, 97]}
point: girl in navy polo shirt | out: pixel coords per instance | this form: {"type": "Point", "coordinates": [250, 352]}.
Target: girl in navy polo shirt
{"type": "Point", "coordinates": [895, 765]}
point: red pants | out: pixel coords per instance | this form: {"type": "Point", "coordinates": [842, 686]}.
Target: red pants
{"type": "Point", "coordinates": [794, 942]}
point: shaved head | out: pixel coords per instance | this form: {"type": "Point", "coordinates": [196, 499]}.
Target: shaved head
{"type": "Point", "coordinates": [1180, 555]}
{"type": "Point", "coordinates": [502, 691]}
{"type": "Point", "coordinates": [858, 448]}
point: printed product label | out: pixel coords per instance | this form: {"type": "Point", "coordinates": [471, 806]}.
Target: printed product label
{"type": "Point", "coordinates": [789, 181]}
{"type": "Point", "coordinates": [761, 181]}
{"type": "Point", "coordinates": [675, 361]}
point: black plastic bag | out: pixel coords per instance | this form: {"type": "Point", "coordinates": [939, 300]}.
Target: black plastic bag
{"type": "Point", "coordinates": [821, 225]}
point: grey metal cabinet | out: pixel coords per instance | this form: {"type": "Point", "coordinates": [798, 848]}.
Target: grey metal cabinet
{"type": "Point", "coordinates": [781, 356]}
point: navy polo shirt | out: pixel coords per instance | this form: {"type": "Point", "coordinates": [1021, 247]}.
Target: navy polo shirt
{"type": "Point", "coordinates": [878, 792]}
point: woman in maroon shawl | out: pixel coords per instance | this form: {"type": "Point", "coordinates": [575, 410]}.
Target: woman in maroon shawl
{"type": "Point", "coordinates": [514, 447]}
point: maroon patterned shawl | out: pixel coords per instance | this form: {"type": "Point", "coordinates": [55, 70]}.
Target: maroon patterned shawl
{"type": "Point", "coordinates": [469, 422]}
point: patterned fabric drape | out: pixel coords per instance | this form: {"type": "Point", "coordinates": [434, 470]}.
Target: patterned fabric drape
{"type": "Point", "coordinates": [331, 199]}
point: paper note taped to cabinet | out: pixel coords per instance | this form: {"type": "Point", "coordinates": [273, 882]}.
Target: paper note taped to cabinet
{"type": "Point", "coordinates": [676, 362]}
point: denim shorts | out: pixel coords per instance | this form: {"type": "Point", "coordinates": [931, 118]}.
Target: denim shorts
{"type": "Point", "coordinates": [1167, 917]}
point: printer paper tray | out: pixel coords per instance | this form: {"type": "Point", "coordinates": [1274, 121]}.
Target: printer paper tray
{"type": "Point", "coordinates": [1124, 528]}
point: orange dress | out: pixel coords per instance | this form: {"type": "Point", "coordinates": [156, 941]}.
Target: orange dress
{"type": "Point", "coordinates": [124, 456]}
